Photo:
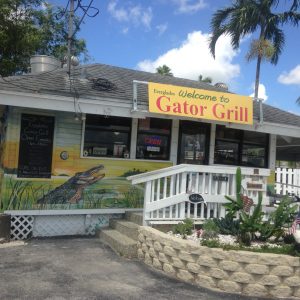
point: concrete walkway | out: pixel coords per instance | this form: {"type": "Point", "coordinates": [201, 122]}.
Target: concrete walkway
{"type": "Point", "coordinates": [85, 269]}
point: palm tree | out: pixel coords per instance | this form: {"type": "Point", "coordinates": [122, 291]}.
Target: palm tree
{"type": "Point", "coordinates": [205, 79]}
{"type": "Point", "coordinates": [164, 70]}
{"type": "Point", "coordinates": [248, 16]}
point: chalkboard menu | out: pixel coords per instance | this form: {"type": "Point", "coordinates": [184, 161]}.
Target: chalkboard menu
{"type": "Point", "coordinates": [36, 144]}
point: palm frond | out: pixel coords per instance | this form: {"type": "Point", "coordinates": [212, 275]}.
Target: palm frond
{"type": "Point", "coordinates": [220, 17]}
{"type": "Point", "coordinates": [278, 43]}
{"type": "Point", "coordinates": [213, 40]}
{"type": "Point", "coordinates": [295, 5]}
{"type": "Point", "coordinates": [289, 17]}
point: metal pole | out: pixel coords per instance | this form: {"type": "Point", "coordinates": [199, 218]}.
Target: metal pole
{"type": "Point", "coordinates": [261, 113]}
{"type": "Point", "coordinates": [70, 35]}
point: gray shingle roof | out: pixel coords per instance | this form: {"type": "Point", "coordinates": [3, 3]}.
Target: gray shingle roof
{"type": "Point", "coordinates": [83, 81]}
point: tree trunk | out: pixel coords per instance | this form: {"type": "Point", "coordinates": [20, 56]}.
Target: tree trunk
{"type": "Point", "coordinates": [258, 63]}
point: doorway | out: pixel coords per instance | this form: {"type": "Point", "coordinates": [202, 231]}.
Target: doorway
{"type": "Point", "coordinates": [193, 143]}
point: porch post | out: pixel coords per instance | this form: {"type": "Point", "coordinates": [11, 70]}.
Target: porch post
{"type": "Point", "coordinates": [134, 128]}
{"type": "Point", "coordinates": [211, 156]}
{"type": "Point", "coordinates": [174, 141]}
{"type": "Point", "coordinates": [272, 151]}
{"type": "Point", "coordinates": [147, 198]}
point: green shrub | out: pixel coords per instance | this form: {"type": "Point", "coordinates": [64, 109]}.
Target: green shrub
{"type": "Point", "coordinates": [282, 217]}
{"type": "Point", "coordinates": [228, 225]}
{"type": "Point", "coordinates": [210, 230]}
{"type": "Point", "coordinates": [184, 228]}
{"type": "Point", "coordinates": [213, 243]}
{"type": "Point", "coordinates": [251, 223]}
{"type": "Point", "coordinates": [235, 205]}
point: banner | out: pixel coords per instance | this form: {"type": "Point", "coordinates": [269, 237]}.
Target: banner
{"type": "Point", "coordinates": [199, 104]}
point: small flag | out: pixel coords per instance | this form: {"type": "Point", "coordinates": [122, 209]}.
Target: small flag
{"type": "Point", "coordinates": [296, 222]}
{"type": "Point", "coordinates": [247, 203]}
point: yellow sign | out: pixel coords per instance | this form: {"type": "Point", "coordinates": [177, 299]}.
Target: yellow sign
{"type": "Point", "coordinates": [200, 104]}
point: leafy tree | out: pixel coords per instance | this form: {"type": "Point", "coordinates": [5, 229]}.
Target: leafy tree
{"type": "Point", "coordinates": [205, 79]}
{"type": "Point", "coordinates": [164, 70]}
{"type": "Point", "coordinates": [53, 33]}
{"type": "Point", "coordinates": [249, 16]}
{"type": "Point", "coordinates": [27, 28]}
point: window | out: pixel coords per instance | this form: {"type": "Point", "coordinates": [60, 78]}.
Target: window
{"type": "Point", "coordinates": [153, 139]}
{"type": "Point", "coordinates": [107, 136]}
{"type": "Point", "coordinates": [237, 147]}
{"type": "Point", "coordinates": [226, 152]}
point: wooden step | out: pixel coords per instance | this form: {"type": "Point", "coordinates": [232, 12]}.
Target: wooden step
{"type": "Point", "coordinates": [120, 243]}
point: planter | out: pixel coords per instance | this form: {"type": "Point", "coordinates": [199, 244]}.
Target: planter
{"type": "Point", "coordinates": [4, 228]}
{"type": "Point", "coordinates": [242, 272]}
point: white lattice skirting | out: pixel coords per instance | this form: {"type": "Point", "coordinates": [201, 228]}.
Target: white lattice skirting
{"type": "Point", "coordinates": [49, 224]}
{"type": "Point", "coordinates": [21, 227]}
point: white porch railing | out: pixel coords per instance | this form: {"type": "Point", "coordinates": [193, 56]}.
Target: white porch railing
{"type": "Point", "coordinates": [166, 193]}
{"type": "Point", "coordinates": [287, 181]}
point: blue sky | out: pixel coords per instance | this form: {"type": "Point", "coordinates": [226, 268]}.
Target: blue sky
{"type": "Point", "coordinates": [144, 34]}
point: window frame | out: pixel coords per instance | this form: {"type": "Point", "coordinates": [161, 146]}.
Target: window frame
{"type": "Point", "coordinates": [241, 143]}
{"type": "Point", "coordinates": [83, 124]}
{"type": "Point", "coordinates": [145, 132]}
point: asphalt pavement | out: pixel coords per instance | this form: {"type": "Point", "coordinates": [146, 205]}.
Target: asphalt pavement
{"type": "Point", "coordinates": [85, 268]}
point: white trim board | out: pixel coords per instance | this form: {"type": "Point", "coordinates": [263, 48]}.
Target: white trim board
{"type": "Point", "coordinates": [113, 107]}
{"type": "Point", "coordinates": [56, 212]}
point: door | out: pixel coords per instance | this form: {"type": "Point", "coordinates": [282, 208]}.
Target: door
{"type": "Point", "coordinates": [193, 143]}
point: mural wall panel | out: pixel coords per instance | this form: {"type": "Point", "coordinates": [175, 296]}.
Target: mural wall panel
{"type": "Point", "coordinates": [75, 182]}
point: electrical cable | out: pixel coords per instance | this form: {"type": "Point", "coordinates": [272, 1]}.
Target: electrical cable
{"type": "Point", "coordinates": [85, 9]}
{"type": "Point", "coordinates": [76, 96]}
{"type": "Point", "coordinates": [60, 14]}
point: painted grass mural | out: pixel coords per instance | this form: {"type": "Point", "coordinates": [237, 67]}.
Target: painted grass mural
{"type": "Point", "coordinates": [90, 189]}
{"type": "Point", "coordinates": [28, 194]}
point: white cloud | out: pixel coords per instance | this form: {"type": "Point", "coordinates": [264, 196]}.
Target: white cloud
{"type": "Point", "coordinates": [137, 14]}
{"type": "Point", "coordinates": [292, 77]}
{"type": "Point", "coordinates": [189, 6]}
{"type": "Point", "coordinates": [162, 28]}
{"type": "Point", "coordinates": [125, 30]}
{"type": "Point", "coordinates": [262, 93]}
{"type": "Point", "coordinates": [193, 58]}
{"type": "Point", "coordinates": [118, 13]}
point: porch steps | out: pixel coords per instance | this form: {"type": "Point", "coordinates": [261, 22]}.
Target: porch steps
{"type": "Point", "coordinates": [122, 234]}
{"type": "Point", "coordinates": [119, 242]}
{"type": "Point", "coordinates": [135, 217]}
{"type": "Point", "coordinates": [125, 227]}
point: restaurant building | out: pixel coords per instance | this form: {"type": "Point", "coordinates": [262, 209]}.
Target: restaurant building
{"type": "Point", "coordinates": [69, 141]}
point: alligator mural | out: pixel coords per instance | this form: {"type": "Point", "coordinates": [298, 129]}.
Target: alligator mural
{"type": "Point", "coordinates": [71, 191]}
